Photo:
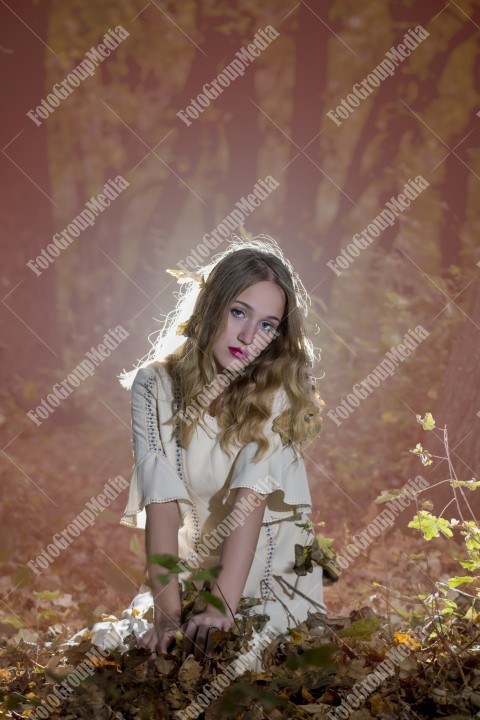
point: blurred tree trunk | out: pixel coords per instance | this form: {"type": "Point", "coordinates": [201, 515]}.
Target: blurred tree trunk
{"type": "Point", "coordinates": [304, 174]}
{"type": "Point", "coordinates": [243, 138]}
{"type": "Point", "coordinates": [384, 105]}
{"type": "Point", "coordinates": [241, 131]}
{"type": "Point", "coordinates": [455, 189]}
{"type": "Point", "coordinates": [29, 339]}
{"type": "Point", "coordinates": [193, 142]}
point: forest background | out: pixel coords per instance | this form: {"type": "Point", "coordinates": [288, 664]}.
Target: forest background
{"type": "Point", "coordinates": [334, 177]}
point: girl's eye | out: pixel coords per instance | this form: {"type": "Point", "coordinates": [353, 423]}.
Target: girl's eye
{"type": "Point", "coordinates": [267, 329]}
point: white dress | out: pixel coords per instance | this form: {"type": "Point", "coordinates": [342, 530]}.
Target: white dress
{"type": "Point", "coordinates": [201, 479]}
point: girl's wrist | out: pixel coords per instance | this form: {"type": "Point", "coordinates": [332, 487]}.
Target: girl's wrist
{"type": "Point", "coordinates": [230, 607]}
{"type": "Point", "coordinates": [163, 616]}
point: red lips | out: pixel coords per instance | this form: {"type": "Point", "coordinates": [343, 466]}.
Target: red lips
{"type": "Point", "coordinates": [238, 352]}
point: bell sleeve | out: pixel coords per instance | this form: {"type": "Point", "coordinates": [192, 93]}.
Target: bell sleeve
{"type": "Point", "coordinates": [281, 474]}
{"type": "Point", "coordinates": [153, 478]}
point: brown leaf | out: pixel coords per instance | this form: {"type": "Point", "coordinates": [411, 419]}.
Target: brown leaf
{"type": "Point", "coordinates": [190, 671]}
{"type": "Point", "coordinates": [163, 665]}
{"type": "Point", "coordinates": [307, 695]}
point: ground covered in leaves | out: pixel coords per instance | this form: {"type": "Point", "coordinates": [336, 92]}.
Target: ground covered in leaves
{"type": "Point", "coordinates": [46, 480]}
{"type": "Point", "coordinates": [307, 675]}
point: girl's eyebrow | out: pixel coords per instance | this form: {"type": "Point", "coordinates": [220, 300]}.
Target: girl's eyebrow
{"type": "Point", "coordinates": [272, 317]}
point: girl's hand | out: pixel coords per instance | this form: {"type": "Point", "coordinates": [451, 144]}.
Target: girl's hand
{"type": "Point", "coordinates": [159, 638]}
{"type": "Point", "coordinates": [198, 632]}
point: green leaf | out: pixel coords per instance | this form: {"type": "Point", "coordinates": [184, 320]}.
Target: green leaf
{"type": "Point", "coordinates": [212, 600]}
{"type": "Point", "coordinates": [450, 603]}
{"type": "Point", "coordinates": [472, 484]}
{"type": "Point", "coordinates": [430, 525]}
{"type": "Point", "coordinates": [469, 564]}
{"type": "Point", "coordinates": [428, 423]}
{"type": "Point", "coordinates": [169, 562]}
{"type": "Point", "coordinates": [319, 551]}
{"type": "Point", "coordinates": [361, 629]}
{"type": "Point", "coordinates": [387, 495]}
{"type": "Point", "coordinates": [163, 578]}
{"type": "Point", "coordinates": [303, 559]}
{"type": "Point", "coordinates": [48, 614]}
{"type": "Point", "coordinates": [456, 581]}
{"type": "Point", "coordinates": [305, 525]}
{"type": "Point", "coordinates": [207, 574]}
{"type": "Point", "coordinates": [317, 657]}
{"type": "Point", "coordinates": [46, 595]}
{"type": "Point", "coordinates": [403, 613]}
{"type": "Point", "coordinates": [325, 544]}
{"type": "Point", "coordinates": [425, 456]}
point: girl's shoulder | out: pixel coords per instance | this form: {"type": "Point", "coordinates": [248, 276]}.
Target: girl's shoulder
{"type": "Point", "coordinates": [156, 370]}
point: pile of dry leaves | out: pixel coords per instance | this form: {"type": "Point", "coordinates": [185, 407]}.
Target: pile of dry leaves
{"type": "Point", "coordinates": [311, 672]}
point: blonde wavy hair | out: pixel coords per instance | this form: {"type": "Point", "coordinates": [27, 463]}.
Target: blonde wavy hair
{"type": "Point", "coordinates": [244, 405]}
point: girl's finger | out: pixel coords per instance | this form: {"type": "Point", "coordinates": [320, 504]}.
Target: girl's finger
{"type": "Point", "coordinates": [209, 648]}
{"type": "Point", "coordinates": [189, 634]}
{"type": "Point", "coordinates": [166, 641]}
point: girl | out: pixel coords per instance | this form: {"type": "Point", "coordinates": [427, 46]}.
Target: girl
{"type": "Point", "coordinates": [218, 421]}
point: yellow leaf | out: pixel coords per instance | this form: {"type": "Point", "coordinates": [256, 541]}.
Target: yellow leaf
{"type": "Point", "coordinates": [389, 417]}
{"type": "Point", "coordinates": [296, 636]}
{"type": "Point", "coordinates": [376, 703]}
{"type": "Point", "coordinates": [407, 639]}
{"type": "Point", "coordinates": [380, 705]}
{"type": "Point", "coordinates": [102, 662]}
{"type": "Point", "coordinates": [30, 390]}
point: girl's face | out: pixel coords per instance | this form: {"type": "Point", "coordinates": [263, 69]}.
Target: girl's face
{"type": "Point", "coordinates": [251, 321]}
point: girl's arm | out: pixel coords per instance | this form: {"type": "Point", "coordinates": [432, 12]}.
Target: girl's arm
{"type": "Point", "coordinates": [236, 559]}
{"type": "Point", "coordinates": [238, 551]}
{"type": "Point", "coordinates": [161, 537]}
